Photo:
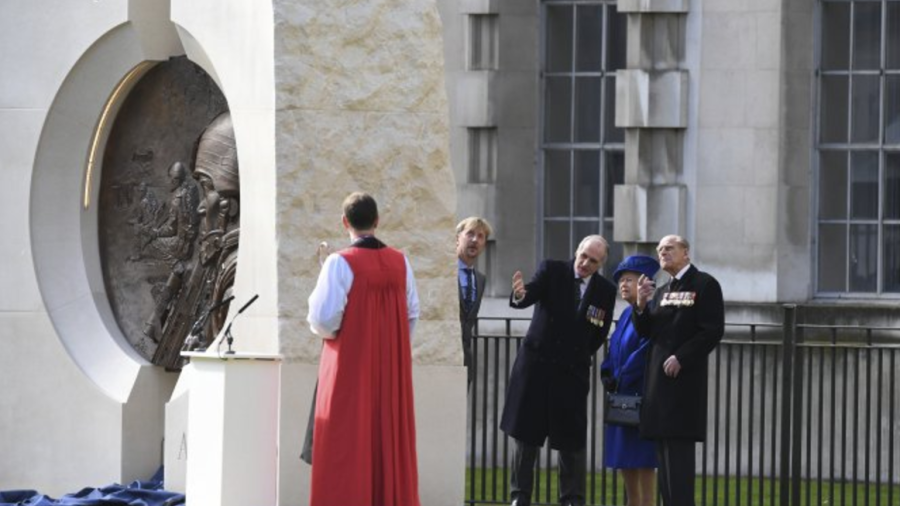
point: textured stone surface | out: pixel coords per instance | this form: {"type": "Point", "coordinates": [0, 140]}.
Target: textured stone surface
{"type": "Point", "coordinates": [655, 99]}
{"type": "Point", "coordinates": [340, 55]}
{"type": "Point", "coordinates": [361, 105]}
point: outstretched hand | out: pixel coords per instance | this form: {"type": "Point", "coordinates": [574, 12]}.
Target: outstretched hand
{"type": "Point", "coordinates": [323, 251]}
{"type": "Point", "coordinates": [518, 286]}
{"type": "Point", "coordinates": [646, 287]}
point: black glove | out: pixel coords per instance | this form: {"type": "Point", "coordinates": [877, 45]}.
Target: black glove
{"type": "Point", "coordinates": [609, 383]}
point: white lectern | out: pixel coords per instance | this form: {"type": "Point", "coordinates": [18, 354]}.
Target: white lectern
{"type": "Point", "coordinates": [233, 429]}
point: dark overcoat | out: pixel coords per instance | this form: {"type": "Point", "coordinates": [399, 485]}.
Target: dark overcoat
{"type": "Point", "coordinates": [548, 388]}
{"type": "Point", "coordinates": [467, 321]}
{"type": "Point", "coordinates": [687, 321]}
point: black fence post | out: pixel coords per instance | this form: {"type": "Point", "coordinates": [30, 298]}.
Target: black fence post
{"type": "Point", "coordinates": [473, 414]}
{"type": "Point", "coordinates": [787, 362]}
{"type": "Point", "coordinates": [797, 352]}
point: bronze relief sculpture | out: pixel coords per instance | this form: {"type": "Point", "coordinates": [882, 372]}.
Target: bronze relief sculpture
{"type": "Point", "coordinates": [169, 212]}
{"type": "Point", "coordinates": [211, 277]}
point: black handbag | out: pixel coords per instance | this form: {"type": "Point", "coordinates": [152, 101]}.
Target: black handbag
{"type": "Point", "coordinates": [622, 409]}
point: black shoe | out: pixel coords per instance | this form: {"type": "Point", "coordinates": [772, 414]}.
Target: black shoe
{"type": "Point", "coordinates": [521, 501]}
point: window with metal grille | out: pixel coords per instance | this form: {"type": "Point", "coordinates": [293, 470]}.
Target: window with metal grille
{"type": "Point", "coordinates": [582, 152]}
{"type": "Point", "coordinates": [858, 148]}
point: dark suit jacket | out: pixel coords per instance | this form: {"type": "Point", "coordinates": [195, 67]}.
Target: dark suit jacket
{"type": "Point", "coordinates": [675, 408]}
{"type": "Point", "coordinates": [550, 380]}
{"type": "Point", "coordinates": [467, 321]}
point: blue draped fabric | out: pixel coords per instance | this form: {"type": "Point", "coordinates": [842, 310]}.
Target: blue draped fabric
{"type": "Point", "coordinates": [138, 493]}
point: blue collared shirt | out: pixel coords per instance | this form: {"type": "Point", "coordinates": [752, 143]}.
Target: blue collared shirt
{"type": "Point", "coordinates": [463, 277]}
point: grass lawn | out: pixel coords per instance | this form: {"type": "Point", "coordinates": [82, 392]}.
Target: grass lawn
{"type": "Point", "coordinates": [607, 489]}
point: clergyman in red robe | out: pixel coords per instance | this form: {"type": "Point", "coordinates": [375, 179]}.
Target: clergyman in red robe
{"type": "Point", "coordinates": [364, 306]}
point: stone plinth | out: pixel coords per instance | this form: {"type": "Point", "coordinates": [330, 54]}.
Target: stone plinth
{"type": "Point", "coordinates": [361, 105]}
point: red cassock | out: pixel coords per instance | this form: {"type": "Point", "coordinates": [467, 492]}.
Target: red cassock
{"type": "Point", "coordinates": [365, 432]}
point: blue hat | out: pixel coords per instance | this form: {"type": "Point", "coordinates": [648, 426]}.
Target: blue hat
{"type": "Point", "coordinates": [642, 264]}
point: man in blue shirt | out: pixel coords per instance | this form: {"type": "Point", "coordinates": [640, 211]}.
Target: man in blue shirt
{"type": "Point", "coordinates": [471, 238]}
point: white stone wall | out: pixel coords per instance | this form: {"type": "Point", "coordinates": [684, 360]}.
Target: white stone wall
{"type": "Point", "coordinates": [737, 141]}
{"type": "Point", "coordinates": [77, 408]}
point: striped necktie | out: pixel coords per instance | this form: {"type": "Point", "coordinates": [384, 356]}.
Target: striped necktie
{"type": "Point", "coordinates": [469, 297]}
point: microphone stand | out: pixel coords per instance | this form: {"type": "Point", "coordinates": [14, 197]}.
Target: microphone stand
{"type": "Point", "coordinates": [194, 336]}
{"type": "Point", "coordinates": [229, 338]}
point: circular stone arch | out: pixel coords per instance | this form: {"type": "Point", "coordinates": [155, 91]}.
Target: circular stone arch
{"type": "Point", "coordinates": [64, 211]}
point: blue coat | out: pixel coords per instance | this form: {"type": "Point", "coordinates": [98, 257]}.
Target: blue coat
{"type": "Point", "coordinates": [550, 380]}
{"type": "Point", "coordinates": [626, 357]}
{"type": "Point", "coordinates": [625, 362]}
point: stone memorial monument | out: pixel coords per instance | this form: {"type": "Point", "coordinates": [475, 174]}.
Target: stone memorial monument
{"type": "Point", "coordinates": [124, 125]}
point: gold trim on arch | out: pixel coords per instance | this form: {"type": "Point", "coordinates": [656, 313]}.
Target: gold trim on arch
{"type": "Point", "coordinates": [103, 124]}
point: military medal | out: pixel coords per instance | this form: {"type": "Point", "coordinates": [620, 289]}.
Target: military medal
{"type": "Point", "coordinates": [678, 299]}
{"type": "Point", "coordinates": [595, 315]}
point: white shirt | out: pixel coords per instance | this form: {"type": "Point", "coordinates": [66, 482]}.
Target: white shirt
{"type": "Point", "coordinates": [582, 283]}
{"type": "Point", "coordinates": [682, 271]}
{"type": "Point", "coordinates": [329, 298]}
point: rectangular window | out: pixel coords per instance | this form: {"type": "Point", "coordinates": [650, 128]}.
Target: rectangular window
{"type": "Point", "coordinates": [582, 152]}
{"type": "Point", "coordinates": [483, 41]}
{"type": "Point", "coordinates": [858, 160]}
{"type": "Point", "coordinates": [482, 155]}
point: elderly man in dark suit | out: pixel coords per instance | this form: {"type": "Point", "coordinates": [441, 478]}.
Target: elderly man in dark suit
{"type": "Point", "coordinates": [685, 320]}
{"type": "Point", "coordinates": [547, 396]}
{"type": "Point", "coordinates": [471, 238]}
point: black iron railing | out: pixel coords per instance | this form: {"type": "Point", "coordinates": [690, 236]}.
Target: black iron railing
{"type": "Point", "coordinates": [798, 415]}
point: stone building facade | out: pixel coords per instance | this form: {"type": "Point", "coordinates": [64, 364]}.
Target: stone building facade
{"type": "Point", "coordinates": [765, 132]}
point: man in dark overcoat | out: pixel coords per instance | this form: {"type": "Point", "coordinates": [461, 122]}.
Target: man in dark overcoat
{"type": "Point", "coordinates": [547, 396]}
{"type": "Point", "coordinates": [472, 235]}
{"type": "Point", "coordinates": [685, 320]}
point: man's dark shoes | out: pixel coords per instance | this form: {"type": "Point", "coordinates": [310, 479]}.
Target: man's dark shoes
{"type": "Point", "coordinates": [521, 501]}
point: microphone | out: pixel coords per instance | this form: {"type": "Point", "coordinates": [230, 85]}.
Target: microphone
{"type": "Point", "coordinates": [228, 335]}
{"type": "Point", "coordinates": [193, 337]}
{"type": "Point", "coordinates": [245, 306]}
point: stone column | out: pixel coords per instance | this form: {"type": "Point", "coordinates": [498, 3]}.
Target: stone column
{"type": "Point", "coordinates": [651, 104]}
{"type": "Point", "coordinates": [361, 105]}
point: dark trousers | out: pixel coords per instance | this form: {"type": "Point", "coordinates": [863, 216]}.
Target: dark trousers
{"type": "Point", "coordinates": [676, 471]}
{"type": "Point", "coordinates": [572, 475]}
{"type": "Point", "coordinates": [306, 451]}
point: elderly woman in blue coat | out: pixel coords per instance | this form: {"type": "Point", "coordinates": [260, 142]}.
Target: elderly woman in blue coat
{"type": "Point", "coordinates": [623, 371]}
